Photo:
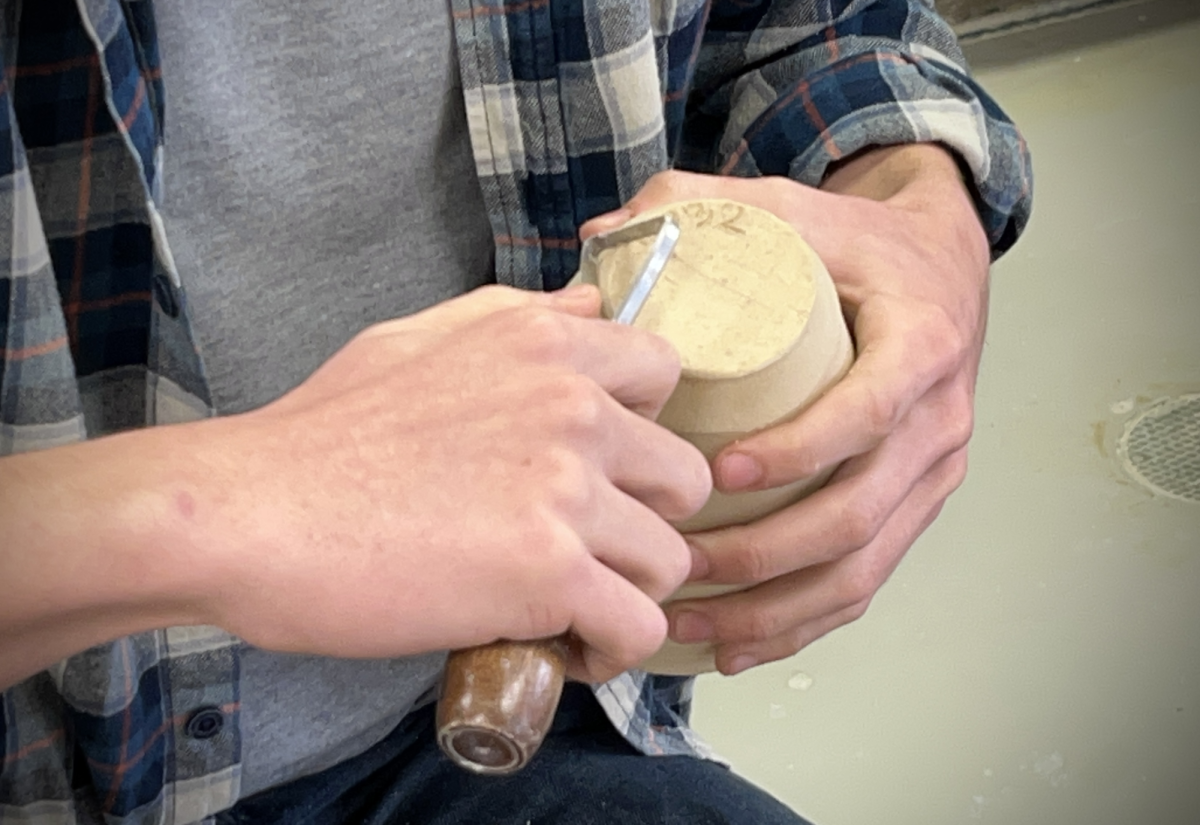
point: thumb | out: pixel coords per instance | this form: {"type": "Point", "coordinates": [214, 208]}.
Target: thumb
{"type": "Point", "coordinates": [582, 300]}
{"type": "Point", "coordinates": [605, 223]}
{"type": "Point", "coordinates": [821, 218]}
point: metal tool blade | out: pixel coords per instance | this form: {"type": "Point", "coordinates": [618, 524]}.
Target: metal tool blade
{"type": "Point", "coordinates": [666, 232]}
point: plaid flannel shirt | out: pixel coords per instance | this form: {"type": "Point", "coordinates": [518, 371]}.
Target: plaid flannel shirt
{"type": "Point", "coordinates": [572, 105]}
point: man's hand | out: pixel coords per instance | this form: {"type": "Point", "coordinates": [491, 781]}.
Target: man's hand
{"type": "Point", "coordinates": [899, 233]}
{"type": "Point", "coordinates": [485, 469]}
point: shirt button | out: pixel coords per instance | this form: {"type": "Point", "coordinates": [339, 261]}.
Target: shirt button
{"type": "Point", "coordinates": [164, 293]}
{"type": "Point", "coordinates": [205, 723]}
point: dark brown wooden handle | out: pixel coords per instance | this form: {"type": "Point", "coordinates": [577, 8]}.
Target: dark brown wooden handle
{"type": "Point", "coordinates": [498, 702]}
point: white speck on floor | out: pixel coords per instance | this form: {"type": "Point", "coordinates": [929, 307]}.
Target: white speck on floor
{"type": "Point", "coordinates": [978, 804]}
{"type": "Point", "coordinates": [1051, 768]}
{"type": "Point", "coordinates": [800, 681]}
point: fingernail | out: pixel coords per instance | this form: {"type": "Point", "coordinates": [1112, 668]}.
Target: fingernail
{"type": "Point", "coordinates": [690, 627]}
{"type": "Point", "coordinates": [616, 217]}
{"type": "Point", "coordinates": [699, 563]}
{"type": "Point", "coordinates": [740, 663]}
{"type": "Point", "coordinates": [739, 471]}
{"type": "Point", "coordinates": [608, 221]}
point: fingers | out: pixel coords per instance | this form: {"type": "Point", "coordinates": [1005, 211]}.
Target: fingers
{"type": "Point", "coordinates": [637, 368]}
{"type": "Point", "coordinates": [620, 486]}
{"type": "Point", "coordinates": [617, 627]}
{"type": "Point", "coordinates": [780, 611]}
{"type": "Point", "coordinates": [553, 331]}
{"type": "Point", "coordinates": [632, 540]}
{"type": "Point", "coordinates": [903, 352]}
{"type": "Point", "coordinates": [669, 187]}
{"type": "Point", "coordinates": [849, 511]}
{"type": "Point", "coordinates": [656, 467]}
{"type": "Point", "coordinates": [582, 300]}
{"type": "Point", "coordinates": [776, 619]}
{"type": "Point", "coordinates": [819, 216]}
{"type": "Point", "coordinates": [733, 659]}
{"type": "Point", "coordinates": [639, 560]}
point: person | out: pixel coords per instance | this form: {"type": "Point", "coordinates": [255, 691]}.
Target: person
{"type": "Point", "coordinates": [353, 250]}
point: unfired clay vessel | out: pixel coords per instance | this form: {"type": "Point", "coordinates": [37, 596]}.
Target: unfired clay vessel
{"type": "Point", "coordinates": [758, 326]}
{"type": "Point", "coordinates": [760, 333]}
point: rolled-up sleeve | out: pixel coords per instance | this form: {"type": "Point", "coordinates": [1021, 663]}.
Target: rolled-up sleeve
{"type": "Point", "coordinates": [784, 88]}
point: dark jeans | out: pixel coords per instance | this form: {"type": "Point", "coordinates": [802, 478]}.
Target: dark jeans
{"type": "Point", "coordinates": [585, 774]}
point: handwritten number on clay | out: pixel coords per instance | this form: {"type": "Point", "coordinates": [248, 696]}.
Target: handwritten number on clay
{"type": "Point", "coordinates": [726, 217]}
{"type": "Point", "coordinates": [699, 212]}
{"type": "Point", "coordinates": [730, 213]}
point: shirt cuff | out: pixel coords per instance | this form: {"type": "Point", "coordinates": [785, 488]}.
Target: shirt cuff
{"type": "Point", "coordinates": [885, 97]}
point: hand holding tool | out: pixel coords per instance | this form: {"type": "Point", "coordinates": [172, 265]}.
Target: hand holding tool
{"type": "Point", "coordinates": [498, 700]}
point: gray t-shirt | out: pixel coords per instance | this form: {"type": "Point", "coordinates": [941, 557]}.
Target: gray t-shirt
{"type": "Point", "coordinates": [318, 179]}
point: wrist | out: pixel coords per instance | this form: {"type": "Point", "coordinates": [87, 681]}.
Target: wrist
{"type": "Point", "coordinates": [98, 544]}
{"type": "Point", "coordinates": [920, 178]}
{"type": "Point", "coordinates": [884, 173]}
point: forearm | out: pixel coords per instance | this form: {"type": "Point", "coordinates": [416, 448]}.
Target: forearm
{"type": "Point", "coordinates": [926, 180]}
{"type": "Point", "coordinates": [99, 541]}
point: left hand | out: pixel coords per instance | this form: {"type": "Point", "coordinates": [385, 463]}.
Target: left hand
{"type": "Point", "coordinates": [898, 231]}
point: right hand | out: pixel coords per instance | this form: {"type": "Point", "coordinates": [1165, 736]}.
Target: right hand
{"type": "Point", "coordinates": [486, 469]}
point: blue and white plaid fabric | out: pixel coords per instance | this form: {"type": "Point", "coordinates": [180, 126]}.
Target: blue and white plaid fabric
{"type": "Point", "coordinates": [572, 106]}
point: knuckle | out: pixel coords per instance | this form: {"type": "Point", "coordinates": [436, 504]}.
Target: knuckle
{"type": "Point", "coordinates": [699, 487]}
{"type": "Point", "coordinates": [858, 588]}
{"type": "Point", "coordinates": [955, 470]}
{"type": "Point", "coordinates": [942, 337]}
{"type": "Point", "coordinates": [665, 355]}
{"type": "Point", "coordinates": [665, 568]}
{"type": "Point", "coordinates": [805, 463]}
{"type": "Point", "coordinates": [800, 638]}
{"type": "Point", "coordinates": [857, 610]}
{"type": "Point", "coordinates": [547, 557]}
{"type": "Point", "coordinates": [544, 332]}
{"type": "Point", "coordinates": [752, 563]}
{"type": "Point", "coordinates": [566, 482]}
{"type": "Point", "coordinates": [761, 626]}
{"type": "Point", "coordinates": [635, 648]}
{"type": "Point", "coordinates": [960, 423]}
{"type": "Point", "coordinates": [880, 412]}
{"type": "Point", "coordinates": [860, 523]}
{"type": "Point", "coordinates": [677, 565]}
{"type": "Point", "coordinates": [690, 488]}
{"type": "Point", "coordinates": [575, 405]}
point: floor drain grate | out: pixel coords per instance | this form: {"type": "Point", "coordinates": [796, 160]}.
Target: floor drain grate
{"type": "Point", "coordinates": [1161, 447]}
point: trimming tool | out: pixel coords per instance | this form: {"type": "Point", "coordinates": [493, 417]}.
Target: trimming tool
{"type": "Point", "coordinates": [498, 700]}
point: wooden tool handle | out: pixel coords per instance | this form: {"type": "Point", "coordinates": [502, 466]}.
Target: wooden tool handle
{"type": "Point", "coordinates": [498, 702]}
